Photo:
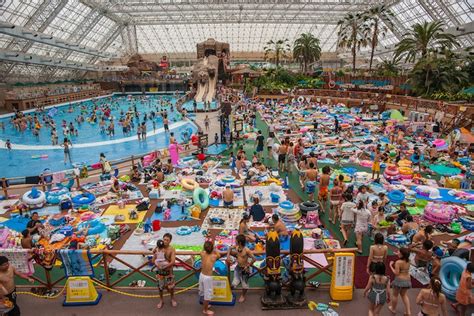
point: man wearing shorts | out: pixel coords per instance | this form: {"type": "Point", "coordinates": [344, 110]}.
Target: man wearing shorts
{"type": "Point", "coordinates": [323, 187]}
{"type": "Point", "coordinates": [310, 181]}
{"type": "Point", "coordinates": [165, 275]}
{"type": "Point", "coordinates": [208, 258]}
{"type": "Point", "coordinates": [165, 124]}
{"type": "Point", "coordinates": [228, 197]}
{"type": "Point", "coordinates": [260, 144]}
{"type": "Point", "coordinates": [245, 260]}
{"type": "Point", "coordinates": [282, 151]}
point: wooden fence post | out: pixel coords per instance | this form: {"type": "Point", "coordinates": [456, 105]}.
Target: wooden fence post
{"type": "Point", "coordinates": [4, 187]}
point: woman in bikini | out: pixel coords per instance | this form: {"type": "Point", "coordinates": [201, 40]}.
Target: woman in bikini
{"type": "Point", "coordinates": [377, 253]}
{"type": "Point", "coordinates": [431, 300]}
{"type": "Point", "coordinates": [402, 281]}
{"type": "Point", "coordinates": [378, 289]}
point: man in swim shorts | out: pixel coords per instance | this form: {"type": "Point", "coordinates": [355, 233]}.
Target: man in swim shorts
{"type": "Point", "coordinates": [208, 258]}
{"type": "Point", "coordinates": [164, 273]}
{"type": "Point", "coordinates": [245, 260]}
{"type": "Point", "coordinates": [228, 197]}
{"type": "Point", "coordinates": [282, 151]}
{"type": "Point", "coordinates": [323, 187]}
{"type": "Point", "coordinates": [310, 181]}
{"type": "Point", "coordinates": [165, 124]}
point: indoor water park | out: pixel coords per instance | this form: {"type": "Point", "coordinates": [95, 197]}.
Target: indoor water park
{"type": "Point", "coordinates": [231, 157]}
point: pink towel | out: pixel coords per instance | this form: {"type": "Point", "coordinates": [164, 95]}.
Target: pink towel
{"type": "Point", "coordinates": [59, 177]}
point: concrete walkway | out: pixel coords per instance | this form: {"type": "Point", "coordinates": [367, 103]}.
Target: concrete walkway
{"type": "Point", "coordinates": [118, 305]}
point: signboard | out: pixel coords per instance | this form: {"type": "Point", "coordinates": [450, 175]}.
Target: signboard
{"type": "Point", "coordinates": [80, 291]}
{"type": "Point", "coordinates": [342, 281]}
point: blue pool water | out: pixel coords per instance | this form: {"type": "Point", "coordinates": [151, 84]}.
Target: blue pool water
{"type": "Point", "coordinates": [23, 159]}
{"type": "Point", "coordinates": [189, 105]}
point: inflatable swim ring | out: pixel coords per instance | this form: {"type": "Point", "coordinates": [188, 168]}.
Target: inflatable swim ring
{"type": "Point", "coordinates": [56, 195]}
{"type": "Point", "coordinates": [439, 213]}
{"type": "Point", "coordinates": [405, 163]}
{"type": "Point", "coordinates": [184, 230]}
{"type": "Point", "coordinates": [287, 205]}
{"type": "Point", "coordinates": [366, 163]}
{"type": "Point", "coordinates": [228, 179]}
{"type": "Point", "coordinates": [467, 222]}
{"type": "Point", "coordinates": [396, 196]}
{"type": "Point", "coordinates": [189, 184]}
{"type": "Point", "coordinates": [397, 240]}
{"type": "Point", "coordinates": [83, 199]}
{"type": "Point", "coordinates": [450, 275]}
{"type": "Point", "coordinates": [439, 142]}
{"type": "Point", "coordinates": [201, 198]}
{"type": "Point", "coordinates": [34, 197]}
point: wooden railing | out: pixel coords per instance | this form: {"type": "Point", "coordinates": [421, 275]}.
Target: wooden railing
{"type": "Point", "coordinates": [107, 256]}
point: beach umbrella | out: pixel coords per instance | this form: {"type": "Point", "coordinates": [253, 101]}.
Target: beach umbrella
{"type": "Point", "coordinates": [396, 115]}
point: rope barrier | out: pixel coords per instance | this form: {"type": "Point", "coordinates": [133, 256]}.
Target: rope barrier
{"type": "Point", "coordinates": [49, 297]}
{"type": "Point", "coordinates": [143, 296]}
{"type": "Point", "coordinates": [110, 289]}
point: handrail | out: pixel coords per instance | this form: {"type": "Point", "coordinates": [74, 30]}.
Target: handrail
{"type": "Point", "coordinates": [108, 256]}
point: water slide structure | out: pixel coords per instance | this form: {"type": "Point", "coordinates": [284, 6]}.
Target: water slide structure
{"type": "Point", "coordinates": [207, 70]}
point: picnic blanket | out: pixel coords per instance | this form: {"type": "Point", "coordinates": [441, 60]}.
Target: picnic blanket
{"type": "Point", "coordinates": [265, 190]}
{"type": "Point", "coordinates": [6, 204]}
{"type": "Point", "coordinates": [231, 218]}
{"type": "Point", "coordinates": [115, 210]}
{"type": "Point", "coordinates": [17, 223]}
{"type": "Point", "coordinates": [146, 242]}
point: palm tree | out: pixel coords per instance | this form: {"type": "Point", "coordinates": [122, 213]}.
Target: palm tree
{"type": "Point", "coordinates": [423, 39]}
{"type": "Point", "coordinates": [277, 49]}
{"type": "Point", "coordinates": [389, 67]}
{"type": "Point", "coordinates": [352, 34]}
{"type": "Point", "coordinates": [374, 17]}
{"type": "Point", "coordinates": [439, 73]}
{"type": "Point", "coordinates": [306, 48]}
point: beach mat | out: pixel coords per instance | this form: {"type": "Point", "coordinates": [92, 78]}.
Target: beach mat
{"type": "Point", "coordinates": [361, 277]}
{"type": "Point", "coordinates": [17, 223]}
{"type": "Point", "coordinates": [6, 204]}
{"type": "Point", "coordinates": [445, 197]}
{"type": "Point", "coordinates": [115, 210]}
{"type": "Point", "coordinates": [176, 215]}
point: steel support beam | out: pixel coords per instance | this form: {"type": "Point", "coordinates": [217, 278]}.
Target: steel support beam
{"type": "Point", "coordinates": [18, 57]}
{"type": "Point", "coordinates": [32, 36]}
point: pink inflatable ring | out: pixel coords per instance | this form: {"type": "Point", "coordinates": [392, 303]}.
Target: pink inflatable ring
{"type": "Point", "coordinates": [439, 142]}
{"type": "Point", "coordinates": [440, 213]}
